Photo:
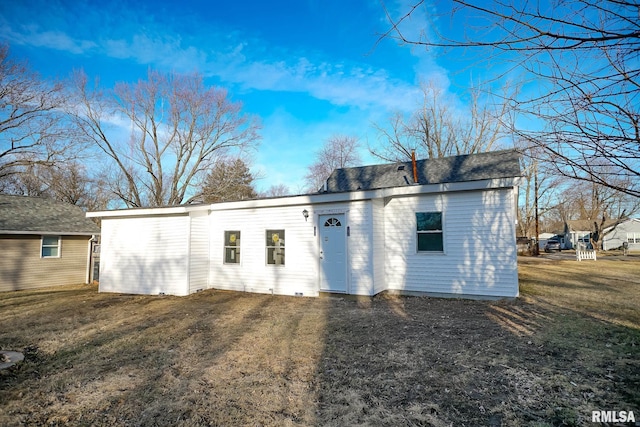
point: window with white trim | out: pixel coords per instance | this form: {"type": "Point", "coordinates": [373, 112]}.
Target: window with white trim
{"type": "Point", "coordinates": [275, 247]}
{"type": "Point", "coordinates": [232, 247]}
{"type": "Point", "coordinates": [633, 237]}
{"type": "Point", "coordinates": [429, 232]}
{"type": "Point", "coordinates": [50, 247]}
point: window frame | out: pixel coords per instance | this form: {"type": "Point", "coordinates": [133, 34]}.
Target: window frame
{"type": "Point", "coordinates": [44, 246]}
{"type": "Point", "coordinates": [273, 247]}
{"type": "Point", "coordinates": [439, 231]}
{"type": "Point", "coordinates": [227, 245]}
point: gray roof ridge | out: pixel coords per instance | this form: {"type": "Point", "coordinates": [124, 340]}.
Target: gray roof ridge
{"type": "Point", "coordinates": [464, 167]}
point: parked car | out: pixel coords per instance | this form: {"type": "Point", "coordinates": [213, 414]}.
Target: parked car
{"type": "Point", "coordinates": [552, 245]}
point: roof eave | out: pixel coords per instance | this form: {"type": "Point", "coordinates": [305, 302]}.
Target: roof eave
{"type": "Point", "coordinates": [51, 233]}
{"type": "Point", "coordinates": [319, 198]}
{"type": "Point", "coordinates": [173, 210]}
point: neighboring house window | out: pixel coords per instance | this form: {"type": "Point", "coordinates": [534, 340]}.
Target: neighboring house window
{"type": "Point", "coordinates": [50, 247]}
{"type": "Point", "coordinates": [585, 238]}
{"type": "Point", "coordinates": [429, 229]}
{"type": "Point", "coordinates": [275, 247]}
{"type": "Point", "coordinates": [633, 237]}
{"type": "Point", "coordinates": [231, 247]}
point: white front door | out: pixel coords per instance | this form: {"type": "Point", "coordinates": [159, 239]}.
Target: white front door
{"type": "Point", "coordinates": [333, 253]}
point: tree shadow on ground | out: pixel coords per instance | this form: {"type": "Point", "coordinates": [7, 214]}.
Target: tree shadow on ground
{"type": "Point", "coordinates": [422, 361]}
{"type": "Point", "coordinates": [226, 358]}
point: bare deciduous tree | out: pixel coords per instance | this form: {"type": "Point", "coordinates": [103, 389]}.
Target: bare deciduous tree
{"type": "Point", "coordinates": [598, 206]}
{"type": "Point", "coordinates": [178, 128]}
{"type": "Point", "coordinates": [338, 152]}
{"type": "Point", "coordinates": [276, 190]}
{"type": "Point", "coordinates": [549, 186]}
{"type": "Point", "coordinates": [436, 129]}
{"type": "Point", "coordinates": [31, 119]}
{"type": "Point", "coordinates": [25, 181]}
{"type": "Point", "coordinates": [583, 59]}
{"type": "Point", "coordinates": [67, 182]}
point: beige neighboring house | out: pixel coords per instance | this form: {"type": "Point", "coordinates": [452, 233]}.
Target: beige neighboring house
{"type": "Point", "coordinates": [43, 243]}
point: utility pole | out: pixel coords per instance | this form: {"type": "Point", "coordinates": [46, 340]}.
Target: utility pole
{"type": "Point", "coordinates": [536, 250]}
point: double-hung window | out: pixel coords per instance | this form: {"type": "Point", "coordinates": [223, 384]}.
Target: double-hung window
{"type": "Point", "coordinates": [232, 247]}
{"type": "Point", "coordinates": [633, 237]}
{"type": "Point", "coordinates": [275, 247]}
{"type": "Point", "coordinates": [50, 247]}
{"type": "Point", "coordinates": [429, 232]}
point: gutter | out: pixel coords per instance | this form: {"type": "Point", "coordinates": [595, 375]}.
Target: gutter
{"type": "Point", "coordinates": [50, 233]}
{"type": "Point", "coordinates": [347, 196]}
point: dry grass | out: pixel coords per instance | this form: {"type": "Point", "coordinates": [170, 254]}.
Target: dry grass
{"type": "Point", "coordinates": [608, 289]}
{"type": "Point", "coordinates": [570, 345]}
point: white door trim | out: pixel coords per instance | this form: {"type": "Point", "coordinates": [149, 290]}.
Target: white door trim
{"type": "Point", "coordinates": [333, 257]}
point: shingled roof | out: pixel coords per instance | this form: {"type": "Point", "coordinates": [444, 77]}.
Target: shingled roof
{"type": "Point", "coordinates": [471, 167]}
{"type": "Point", "coordinates": [33, 215]}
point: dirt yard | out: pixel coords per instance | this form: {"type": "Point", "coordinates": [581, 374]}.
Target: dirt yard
{"type": "Point", "coordinates": [569, 345]}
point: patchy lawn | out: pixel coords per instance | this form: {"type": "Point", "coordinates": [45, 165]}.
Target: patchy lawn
{"type": "Point", "coordinates": [569, 345]}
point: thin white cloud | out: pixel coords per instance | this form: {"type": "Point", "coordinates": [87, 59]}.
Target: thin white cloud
{"type": "Point", "coordinates": [339, 83]}
{"type": "Point", "coordinates": [32, 35]}
{"type": "Point", "coordinates": [231, 57]}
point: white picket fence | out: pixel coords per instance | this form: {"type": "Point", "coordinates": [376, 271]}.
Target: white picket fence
{"type": "Point", "coordinates": [585, 254]}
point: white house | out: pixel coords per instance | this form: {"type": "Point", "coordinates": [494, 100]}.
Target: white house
{"type": "Point", "coordinates": [543, 238]}
{"type": "Point", "coordinates": [440, 227]}
{"type": "Point", "coordinates": [627, 231]}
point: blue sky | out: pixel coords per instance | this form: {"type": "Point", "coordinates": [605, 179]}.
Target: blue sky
{"type": "Point", "coordinates": [309, 68]}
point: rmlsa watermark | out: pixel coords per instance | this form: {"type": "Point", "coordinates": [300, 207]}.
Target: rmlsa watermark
{"type": "Point", "coordinates": [613, 417]}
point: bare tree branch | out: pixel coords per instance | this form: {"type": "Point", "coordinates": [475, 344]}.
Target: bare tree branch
{"type": "Point", "coordinates": [338, 152]}
{"type": "Point", "coordinates": [178, 129]}
{"type": "Point", "coordinates": [584, 57]}
{"type": "Point", "coordinates": [436, 129]}
{"type": "Point", "coordinates": [32, 127]}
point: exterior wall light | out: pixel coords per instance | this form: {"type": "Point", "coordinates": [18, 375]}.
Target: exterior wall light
{"type": "Point", "coordinates": [305, 214]}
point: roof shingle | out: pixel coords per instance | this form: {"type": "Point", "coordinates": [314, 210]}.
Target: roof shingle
{"type": "Point", "coordinates": [33, 215]}
{"type": "Point", "coordinates": [470, 167]}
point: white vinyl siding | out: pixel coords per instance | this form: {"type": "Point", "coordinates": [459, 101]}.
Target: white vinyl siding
{"type": "Point", "coordinates": [145, 255]}
{"type": "Point", "coordinates": [378, 214]}
{"type": "Point", "coordinates": [360, 243]}
{"type": "Point", "coordinates": [480, 249]}
{"type": "Point", "coordinates": [299, 275]}
{"type": "Point", "coordinates": [179, 252]}
{"type": "Point", "coordinates": [199, 252]}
